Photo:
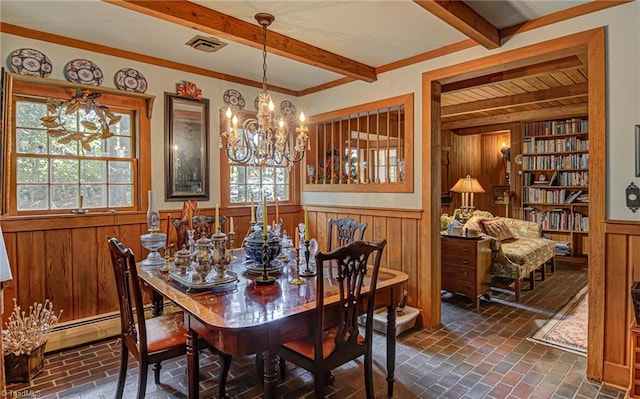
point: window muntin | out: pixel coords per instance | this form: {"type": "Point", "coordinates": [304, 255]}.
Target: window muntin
{"type": "Point", "coordinates": [51, 176]}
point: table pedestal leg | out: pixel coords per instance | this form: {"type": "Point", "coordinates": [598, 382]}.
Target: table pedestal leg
{"type": "Point", "coordinates": [391, 348]}
{"type": "Point", "coordinates": [192, 364]}
{"type": "Point", "coordinates": [270, 376]}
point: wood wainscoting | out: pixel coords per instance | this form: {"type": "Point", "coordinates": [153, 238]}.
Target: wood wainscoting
{"type": "Point", "coordinates": [400, 227]}
{"type": "Point", "coordinates": [65, 258]}
{"type": "Point", "coordinates": [622, 268]}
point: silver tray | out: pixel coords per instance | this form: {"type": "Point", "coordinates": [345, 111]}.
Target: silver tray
{"type": "Point", "coordinates": [211, 281]}
{"type": "Point", "coordinates": [275, 267]}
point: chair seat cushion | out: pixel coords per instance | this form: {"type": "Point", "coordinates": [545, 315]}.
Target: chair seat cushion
{"type": "Point", "coordinates": [523, 256]}
{"type": "Point", "coordinates": [304, 345]}
{"type": "Point", "coordinates": [164, 332]}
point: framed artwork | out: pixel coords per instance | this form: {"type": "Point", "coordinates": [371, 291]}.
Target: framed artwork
{"type": "Point", "coordinates": [500, 195]}
{"type": "Point", "coordinates": [637, 150]}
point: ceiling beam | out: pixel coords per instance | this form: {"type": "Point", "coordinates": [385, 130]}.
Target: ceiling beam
{"type": "Point", "coordinates": [529, 71]}
{"type": "Point", "coordinates": [489, 129]}
{"type": "Point", "coordinates": [536, 97]}
{"type": "Point", "coordinates": [204, 19]}
{"type": "Point", "coordinates": [464, 19]}
{"type": "Point", "coordinates": [566, 111]}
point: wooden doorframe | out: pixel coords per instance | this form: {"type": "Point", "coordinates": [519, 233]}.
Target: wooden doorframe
{"type": "Point", "coordinates": [591, 41]}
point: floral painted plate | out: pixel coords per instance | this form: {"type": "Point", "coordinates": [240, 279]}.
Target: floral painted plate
{"type": "Point", "coordinates": [233, 98]}
{"type": "Point", "coordinates": [84, 72]}
{"type": "Point", "coordinates": [27, 61]}
{"type": "Point", "coordinates": [129, 79]}
{"type": "Point", "coordinates": [287, 109]}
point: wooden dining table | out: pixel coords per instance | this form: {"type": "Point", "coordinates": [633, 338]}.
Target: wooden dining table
{"type": "Point", "coordinates": [246, 318]}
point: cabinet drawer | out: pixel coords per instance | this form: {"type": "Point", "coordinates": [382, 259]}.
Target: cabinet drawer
{"type": "Point", "coordinates": [455, 272]}
{"type": "Point", "coordinates": [459, 246]}
{"type": "Point", "coordinates": [462, 281]}
{"type": "Point", "coordinates": [460, 259]}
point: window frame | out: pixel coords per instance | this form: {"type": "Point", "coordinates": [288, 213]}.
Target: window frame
{"type": "Point", "coordinates": [26, 86]}
{"type": "Point", "coordinates": [225, 170]}
{"type": "Point", "coordinates": [406, 186]}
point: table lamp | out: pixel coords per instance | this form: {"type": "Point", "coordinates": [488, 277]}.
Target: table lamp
{"type": "Point", "coordinates": [467, 186]}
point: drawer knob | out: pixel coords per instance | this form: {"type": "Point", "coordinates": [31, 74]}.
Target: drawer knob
{"type": "Point", "coordinates": [465, 261]}
{"type": "Point", "coordinates": [465, 249]}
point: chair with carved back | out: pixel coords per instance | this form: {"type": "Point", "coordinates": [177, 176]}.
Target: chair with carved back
{"type": "Point", "coordinates": [345, 231]}
{"type": "Point", "coordinates": [201, 224]}
{"type": "Point", "coordinates": [330, 346]}
{"type": "Point", "coordinates": [150, 341]}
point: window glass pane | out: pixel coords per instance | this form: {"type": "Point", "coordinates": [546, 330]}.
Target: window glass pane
{"type": "Point", "coordinates": [94, 196]}
{"type": "Point", "coordinates": [28, 114]}
{"type": "Point", "coordinates": [93, 171]}
{"type": "Point", "coordinates": [118, 146]}
{"type": "Point", "coordinates": [253, 175]}
{"type": "Point", "coordinates": [31, 141]}
{"type": "Point", "coordinates": [281, 175]}
{"type": "Point", "coordinates": [237, 193]}
{"type": "Point", "coordinates": [32, 170]}
{"type": "Point", "coordinates": [56, 148]}
{"type": "Point", "coordinates": [236, 174]}
{"type": "Point", "coordinates": [120, 195]}
{"type": "Point", "coordinates": [64, 196]}
{"type": "Point", "coordinates": [32, 197]}
{"type": "Point", "coordinates": [64, 171]}
{"type": "Point", "coordinates": [283, 192]}
{"type": "Point", "coordinates": [123, 127]}
{"type": "Point", "coordinates": [120, 172]}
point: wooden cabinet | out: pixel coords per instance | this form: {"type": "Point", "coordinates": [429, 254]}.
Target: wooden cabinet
{"type": "Point", "coordinates": [555, 181]}
{"type": "Point", "coordinates": [466, 267]}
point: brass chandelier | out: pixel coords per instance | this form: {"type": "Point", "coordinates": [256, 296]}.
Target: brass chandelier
{"type": "Point", "coordinates": [264, 141]}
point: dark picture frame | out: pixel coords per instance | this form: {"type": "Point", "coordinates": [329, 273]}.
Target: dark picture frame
{"type": "Point", "coordinates": [186, 148]}
{"type": "Point", "coordinates": [498, 196]}
{"type": "Point", "coordinates": [637, 147]}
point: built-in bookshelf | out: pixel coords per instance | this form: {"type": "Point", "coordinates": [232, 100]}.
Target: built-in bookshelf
{"type": "Point", "coordinates": [555, 181]}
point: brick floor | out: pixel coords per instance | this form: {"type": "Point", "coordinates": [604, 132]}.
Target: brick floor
{"type": "Point", "coordinates": [473, 355]}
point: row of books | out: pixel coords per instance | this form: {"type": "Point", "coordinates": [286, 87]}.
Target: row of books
{"type": "Point", "coordinates": [566, 126]}
{"type": "Point", "coordinates": [557, 219]}
{"type": "Point", "coordinates": [557, 179]}
{"type": "Point", "coordinates": [571, 161]}
{"type": "Point", "coordinates": [535, 195]}
{"type": "Point", "coordinates": [530, 145]}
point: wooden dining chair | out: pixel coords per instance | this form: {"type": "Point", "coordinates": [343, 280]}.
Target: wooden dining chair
{"type": "Point", "coordinates": [330, 346]}
{"type": "Point", "coordinates": [201, 224]}
{"type": "Point", "coordinates": [150, 341]}
{"type": "Point", "coordinates": [345, 231]}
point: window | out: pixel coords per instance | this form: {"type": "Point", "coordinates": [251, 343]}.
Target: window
{"type": "Point", "coordinates": [368, 147]}
{"type": "Point", "coordinates": [240, 184]}
{"type": "Point", "coordinates": [47, 175]}
{"type": "Point", "coordinates": [54, 176]}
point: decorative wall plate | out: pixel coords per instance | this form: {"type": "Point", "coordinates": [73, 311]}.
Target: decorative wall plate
{"type": "Point", "coordinates": [287, 109]}
{"type": "Point", "coordinates": [256, 103]}
{"type": "Point", "coordinates": [84, 72]}
{"type": "Point", "coordinates": [129, 79]}
{"type": "Point", "coordinates": [27, 61]}
{"type": "Point", "coordinates": [233, 98]}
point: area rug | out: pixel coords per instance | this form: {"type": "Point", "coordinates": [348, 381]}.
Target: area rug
{"type": "Point", "coordinates": [567, 329]}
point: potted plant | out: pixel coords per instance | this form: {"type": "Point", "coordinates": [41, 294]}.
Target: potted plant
{"type": "Point", "coordinates": [24, 338]}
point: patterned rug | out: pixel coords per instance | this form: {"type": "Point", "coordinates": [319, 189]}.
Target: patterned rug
{"type": "Point", "coordinates": [567, 329]}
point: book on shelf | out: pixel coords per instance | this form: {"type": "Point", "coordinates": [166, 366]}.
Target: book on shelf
{"type": "Point", "coordinates": [572, 197]}
{"type": "Point", "coordinates": [553, 178]}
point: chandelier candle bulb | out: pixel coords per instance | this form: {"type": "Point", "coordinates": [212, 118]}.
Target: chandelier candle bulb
{"type": "Point", "coordinates": [277, 211]}
{"type": "Point", "coordinates": [231, 230]}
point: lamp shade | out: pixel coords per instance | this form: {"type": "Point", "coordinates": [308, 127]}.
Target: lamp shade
{"type": "Point", "coordinates": [467, 185]}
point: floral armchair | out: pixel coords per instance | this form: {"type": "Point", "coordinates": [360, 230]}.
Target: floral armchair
{"type": "Point", "coordinates": [521, 256]}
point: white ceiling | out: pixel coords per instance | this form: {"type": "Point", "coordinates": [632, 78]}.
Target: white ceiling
{"type": "Point", "coordinates": [371, 32]}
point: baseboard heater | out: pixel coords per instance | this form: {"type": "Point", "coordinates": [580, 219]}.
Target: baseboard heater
{"type": "Point", "coordinates": [83, 331]}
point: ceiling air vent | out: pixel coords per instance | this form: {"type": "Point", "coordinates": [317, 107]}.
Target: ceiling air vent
{"type": "Point", "coordinates": [206, 44]}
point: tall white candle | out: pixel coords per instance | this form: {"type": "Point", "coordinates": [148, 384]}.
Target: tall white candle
{"type": "Point", "coordinates": [231, 230]}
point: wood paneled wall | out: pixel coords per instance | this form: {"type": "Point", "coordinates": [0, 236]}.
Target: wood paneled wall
{"type": "Point", "coordinates": [479, 156]}
{"type": "Point", "coordinates": [399, 227]}
{"type": "Point", "coordinates": [65, 258]}
{"type": "Point", "coordinates": [622, 252]}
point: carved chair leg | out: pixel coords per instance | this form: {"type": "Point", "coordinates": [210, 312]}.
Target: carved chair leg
{"type": "Point", "coordinates": [226, 365]}
{"type": "Point", "coordinates": [553, 264]}
{"type": "Point", "coordinates": [142, 379]}
{"type": "Point", "coordinates": [156, 372]}
{"type": "Point", "coordinates": [543, 270]}
{"type": "Point", "coordinates": [124, 361]}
